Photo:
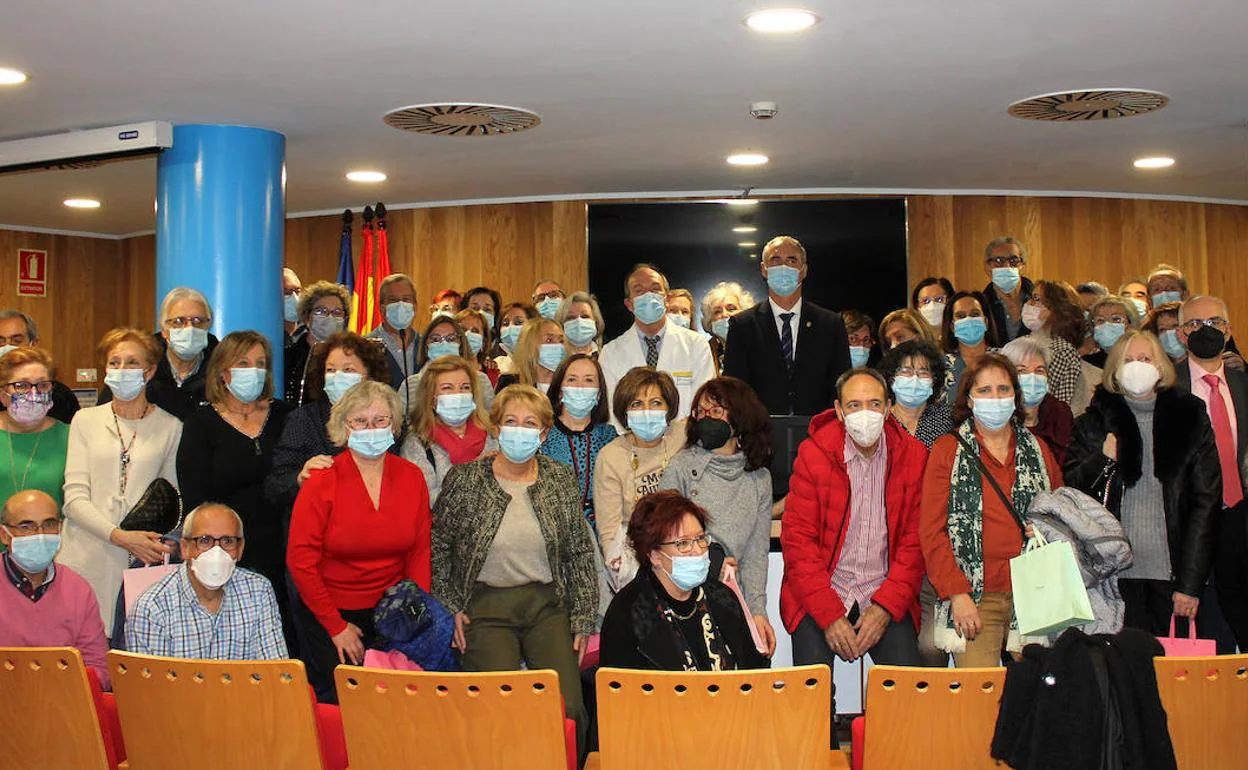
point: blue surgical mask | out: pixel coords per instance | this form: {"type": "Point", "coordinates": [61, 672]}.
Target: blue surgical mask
{"type": "Point", "coordinates": [649, 307]}
{"type": "Point", "coordinates": [337, 383]}
{"type": "Point", "coordinates": [1162, 297]}
{"type": "Point", "coordinates": [126, 384]}
{"type": "Point", "coordinates": [33, 553]}
{"type": "Point", "coordinates": [783, 280]}
{"type": "Point", "coordinates": [4, 349]}
{"type": "Point", "coordinates": [580, 331]}
{"type": "Point", "coordinates": [455, 408]}
{"type": "Point", "coordinates": [489, 318]}
{"type": "Point", "coordinates": [858, 355]}
{"type": "Point", "coordinates": [550, 355]}
{"type": "Point", "coordinates": [1174, 347]}
{"type": "Point", "coordinates": [246, 383]}
{"type": "Point", "coordinates": [647, 424]}
{"type": "Point", "coordinates": [518, 443]}
{"type": "Point", "coordinates": [1006, 278]}
{"type": "Point", "coordinates": [290, 308]}
{"type": "Point", "coordinates": [993, 413]}
{"type": "Point", "coordinates": [400, 314]}
{"type": "Point", "coordinates": [970, 330]}
{"type": "Point", "coordinates": [475, 341]}
{"type": "Point", "coordinates": [720, 328]}
{"type": "Point", "coordinates": [508, 337]}
{"type": "Point", "coordinates": [579, 401]}
{"type": "Point", "coordinates": [188, 342]}
{"type": "Point", "coordinates": [370, 442]}
{"type": "Point", "coordinates": [912, 391]}
{"type": "Point", "coordinates": [1107, 334]}
{"type": "Point", "coordinates": [322, 326]}
{"type": "Point", "coordinates": [680, 320]}
{"type": "Point", "coordinates": [439, 349]}
{"type": "Point", "coordinates": [548, 307]}
{"type": "Point", "coordinates": [689, 572]}
{"type": "Point", "coordinates": [1035, 387]}
{"type": "Point", "coordinates": [1141, 307]}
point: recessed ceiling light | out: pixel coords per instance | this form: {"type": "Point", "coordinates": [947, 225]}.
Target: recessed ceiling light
{"type": "Point", "coordinates": [11, 77]}
{"type": "Point", "coordinates": [745, 229]}
{"type": "Point", "coordinates": [747, 159]}
{"type": "Point", "coordinates": [779, 20]}
{"type": "Point", "coordinates": [747, 244]}
{"type": "Point", "coordinates": [754, 256]}
{"type": "Point", "coordinates": [1156, 162]}
{"type": "Point", "coordinates": [366, 176]}
{"type": "Point", "coordinates": [82, 203]}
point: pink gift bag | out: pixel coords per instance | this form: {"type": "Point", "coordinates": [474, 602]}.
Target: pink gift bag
{"type": "Point", "coordinates": [391, 661]}
{"type": "Point", "coordinates": [136, 581]}
{"type": "Point", "coordinates": [1191, 647]}
{"type": "Point", "coordinates": [759, 644]}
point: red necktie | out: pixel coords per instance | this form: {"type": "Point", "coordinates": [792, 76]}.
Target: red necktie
{"type": "Point", "coordinates": [1232, 489]}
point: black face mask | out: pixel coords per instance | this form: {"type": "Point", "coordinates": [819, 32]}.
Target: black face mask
{"type": "Point", "coordinates": [712, 433]}
{"type": "Point", "coordinates": [1206, 342]}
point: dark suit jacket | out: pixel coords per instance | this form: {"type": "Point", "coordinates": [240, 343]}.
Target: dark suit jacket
{"type": "Point", "coordinates": [1237, 382]}
{"type": "Point", "coordinates": [163, 389]}
{"type": "Point", "coordinates": [997, 308]}
{"type": "Point", "coordinates": [753, 355]}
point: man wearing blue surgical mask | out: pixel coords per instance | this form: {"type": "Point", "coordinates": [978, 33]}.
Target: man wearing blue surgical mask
{"type": "Point", "coordinates": [1008, 290]}
{"type": "Point", "coordinates": [396, 334]}
{"type": "Point", "coordinates": [656, 341]}
{"type": "Point", "coordinates": [292, 287]}
{"type": "Point", "coordinates": [547, 295]}
{"type": "Point", "coordinates": [1166, 284]}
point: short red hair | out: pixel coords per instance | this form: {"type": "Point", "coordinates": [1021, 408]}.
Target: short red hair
{"type": "Point", "coordinates": [656, 516]}
{"type": "Point", "coordinates": [447, 295]}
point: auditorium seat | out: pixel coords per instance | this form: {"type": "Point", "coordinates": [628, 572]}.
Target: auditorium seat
{"type": "Point", "coordinates": [1206, 702]}
{"type": "Point", "coordinates": [684, 719]}
{"type": "Point", "coordinates": [469, 721]}
{"type": "Point", "coordinates": [51, 713]}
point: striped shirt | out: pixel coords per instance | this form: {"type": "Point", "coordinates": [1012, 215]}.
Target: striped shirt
{"type": "Point", "coordinates": [168, 620]}
{"type": "Point", "coordinates": [863, 563]}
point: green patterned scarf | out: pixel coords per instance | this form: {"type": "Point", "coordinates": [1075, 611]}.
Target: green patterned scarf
{"type": "Point", "coordinates": [966, 520]}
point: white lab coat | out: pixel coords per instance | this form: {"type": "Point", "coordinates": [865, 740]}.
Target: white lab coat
{"type": "Point", "coordinates": [684, 354]}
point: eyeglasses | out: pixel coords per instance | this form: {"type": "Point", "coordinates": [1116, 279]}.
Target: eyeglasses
{"type": "Point", "coordinates": [228, 542]}
{"type": "Point", "coordinates": [715, 412]}
{"type": "Point", "coordinates": [183, 321]}
{"type": "Point", "coordinates": [556, 294]}
{"type": "Point", "coordinates": [1010, 261]}
{"type": "Point", "coordinates": [452, 337]}
{"type": "Point", "coordinates": [685, 545]}
{"type": "Point", "coordinates": [860, 340]}
{"type": "Point", "coordinates": [364, 423]}
{"type": "Point", "coordinates": [1113, 319]}
{"type": "Point", "coordinates": [322, 312]}
{"type": "Point", "coordinates": [907, 371]}
{"type": "Point", "coordinates": [49, 527]}
{"type": "Point", "coordinates": [1192, 325]}
{"type": "Point", "coordinates": [22, 387]}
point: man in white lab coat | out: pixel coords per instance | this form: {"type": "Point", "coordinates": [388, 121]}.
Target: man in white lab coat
{"type": "Point", "coordinates": [655, 341]}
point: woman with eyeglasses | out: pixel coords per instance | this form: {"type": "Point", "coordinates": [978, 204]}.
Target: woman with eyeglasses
{"type": "Point", "coordinates": [324, 308]}
{"type": "Point", "coordinates": [915, 372]}
{"type": "Point", "coordinates": [929, 298]}
{"type": "Point", "coordinates": [538, 353]}
{"type": "Point", "coordinates": [1109, 317]}
{"type": "Point", "coordinates": [1055, 319]}
{"type": "Point", "coordinates": [34, 443]}
{"type": "Point", "coordinates": [443, 338]}
{"type": "Point", "coordinates": [359, 527]}
{"type": "Point", "coordinates": [1049, 419]}
{"type": "Point", "coordinates": [480, 335]}
{"type": "Point", "coordinates": [674, 615]}
{"type": "Point", "coordinates": [968, 334]}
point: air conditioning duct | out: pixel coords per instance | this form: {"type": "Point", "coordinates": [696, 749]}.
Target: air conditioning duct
{"type": "Point", "coordinates": [82, 149]}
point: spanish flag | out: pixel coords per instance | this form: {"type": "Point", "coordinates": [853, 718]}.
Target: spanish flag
{"type": "Point", "coordinates": [365, 302]}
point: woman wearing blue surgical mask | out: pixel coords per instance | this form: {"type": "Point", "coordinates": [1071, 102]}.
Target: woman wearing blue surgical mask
{"type": "Point", "coordinates": [359, 527]}
{"type": "Point", "coordinates": [325, 309]}
{"type": "Point", "coordinates": [1055, 319]}
{"type": "Point", "coordinates": [645, 402]}
{"type": "Point", "coordinates": [33, 444]}
{"type": "Point", "coordinates": [443, 338]}
{"type": "Point", "coordinates": [859, 327]}
{"type": "Point", "coordinates": [581, 320]}
{"type": "Point", "coordinates": [1047, 417]}
{"type": "Point", "coordinates": [680, 307]}
{"type": "Point", "coordinates": [513, 557]}
{"type": "Point", "coordinates": [915, 372]}
{"type": "Point", "coordinates": [116, 450]}
{"type": "Point", "coordinates": [488, 303]}
{"type": "Point", "coordinates": [480, 335]}
{"type": "Point", "coordinates": [1164, 322]}
{"type": "Point", "coordinates": [1109, 318]}
{"type": "Point", "coordinates": [675, 615]}
{"type": "Point", "coordinates": [226, 452]}
{"type": "Point", "coordinates": [449, 424]}
{"type": "Point", "coordinates": [510, 322]}
{"type": "Point", "coordinates": [967, 335]}
{"type": "Point", "coordinates": [966, 529]}
{"type": "Point", "coordinates": [539, 352]}
{"type": "Point", "coordinates": [578, 394]}
{"type": "Point", "coordinates": [719, 305]}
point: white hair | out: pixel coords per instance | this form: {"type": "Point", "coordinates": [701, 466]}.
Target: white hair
{"type": "Point", "coordinates": [291, 274]}
{"type": "Point", "coordinates": [188, 524]}
{"type": "Point", "coordinates": [1226, 311]}
{"type": "Point", "coordinates": [1022, 348]}
{"type": "Point", "coordinates": [179, 293]}
{"type": "Point", "coordinates": [717, 294]}
{"type": "Point", "coordinates": [565, 307]}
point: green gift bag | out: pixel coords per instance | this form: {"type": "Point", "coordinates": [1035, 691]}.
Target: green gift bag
{"type": "Point", "coordinates": [1049, 595]}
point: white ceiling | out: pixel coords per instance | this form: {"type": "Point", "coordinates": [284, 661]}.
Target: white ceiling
{"type": "Point", "coordinates": [637, 96]}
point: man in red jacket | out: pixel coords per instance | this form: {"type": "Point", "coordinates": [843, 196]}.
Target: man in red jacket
{"type": "Point", "coordinates": [852, 562]}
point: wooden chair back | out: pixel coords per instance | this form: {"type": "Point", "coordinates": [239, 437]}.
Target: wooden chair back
{"type": "Point", "coordinates": [1206, 702]}
{"type": "Point", "coordinates": [214, 715]}
{"type": "Point", "coordinates": [468, 721]}
{"type": "Point", "coordinates": [765, 718]}
{"type": "Point", "coordinates": [920, 716]}
{"type": "Point", "coordinates": [52, 720]}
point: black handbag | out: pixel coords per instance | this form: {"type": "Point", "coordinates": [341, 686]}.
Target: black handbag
{"type": "Point", "coordinates": [159, 510]}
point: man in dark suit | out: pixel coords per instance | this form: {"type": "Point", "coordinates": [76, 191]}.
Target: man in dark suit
{"type": "Point", "coordinates": [1204, 328]}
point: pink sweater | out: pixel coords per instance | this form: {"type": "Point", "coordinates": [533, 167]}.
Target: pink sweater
{"type": "Point", "coordinates": [66, 616]}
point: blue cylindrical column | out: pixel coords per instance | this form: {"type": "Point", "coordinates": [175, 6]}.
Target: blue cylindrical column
{"type": "Point", "coordinates": [220, 223]}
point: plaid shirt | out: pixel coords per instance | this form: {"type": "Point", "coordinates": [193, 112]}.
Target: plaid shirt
{"type": "Point", "coordinates": [168, 620]}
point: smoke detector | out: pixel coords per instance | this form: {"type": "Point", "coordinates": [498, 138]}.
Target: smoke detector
{"type": "Point", "coordinates": [763, 110]}
{"type": "Point", "coordinates": [1089, 104]}
{"type": "Point", "coordinates": [462, 119]}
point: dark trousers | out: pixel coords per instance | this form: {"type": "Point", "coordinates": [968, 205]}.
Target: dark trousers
{"type": "Point", "coordinates": [899, 646]}
{"type": "Point", "coordinates": [1230, 568]}
{"type": "Point", "coordinates": [317, 649]}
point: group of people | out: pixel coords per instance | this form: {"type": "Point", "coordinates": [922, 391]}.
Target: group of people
{"type": "Point", "coordinates": [543, 485]}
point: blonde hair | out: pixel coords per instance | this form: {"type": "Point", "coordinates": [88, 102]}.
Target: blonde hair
{"type": "Point", "coordinates": [228, 350]}
{"type": "Point", "coordinates": [527, 395]}
{"type": "Point", "coordinates": [525, 355]}
{"type": "Point", "coordinates": [912, 321]}
{"type": "Point", "coordinates": [313, 293]}
{"type": "Point", "coordinates": [487, 334]}
{"type": "Point", "coordinates": [685, 294]}
{"type": "Point", "coordinates": [423, 413]}
{"type": "Point", "coordinates": [19, 357]}
{"type": "Point", "coordinates": [358, 396]}
{"type": "Point", "coordinates": [1114, 300]}
{"type": "Point", "coordinates": [115, 337]}
{"type": "Point", "coordinates": [1113, 362]}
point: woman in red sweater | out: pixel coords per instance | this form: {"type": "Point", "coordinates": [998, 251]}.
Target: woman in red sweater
{"type": "Point", "coordinates": [358, 527]}
{"type": "Point", "coordinates": [967, 531]}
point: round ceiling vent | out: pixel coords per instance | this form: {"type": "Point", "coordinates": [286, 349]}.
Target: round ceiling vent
{"type": "Point", "coordinates": [1092, 104]}
{"type": "Point", "coordinates": [462, 119]}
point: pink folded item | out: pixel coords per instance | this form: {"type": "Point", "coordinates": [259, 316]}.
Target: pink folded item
{"type": "Point", "coordinates": [391, 661]}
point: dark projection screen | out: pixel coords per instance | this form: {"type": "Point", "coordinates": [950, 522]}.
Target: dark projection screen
{"type": "Point", "coordinates": [856, 250]}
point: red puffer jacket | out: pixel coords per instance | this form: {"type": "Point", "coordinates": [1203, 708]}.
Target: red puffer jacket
{"type": "Point", "coordinates": [816, 513]}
